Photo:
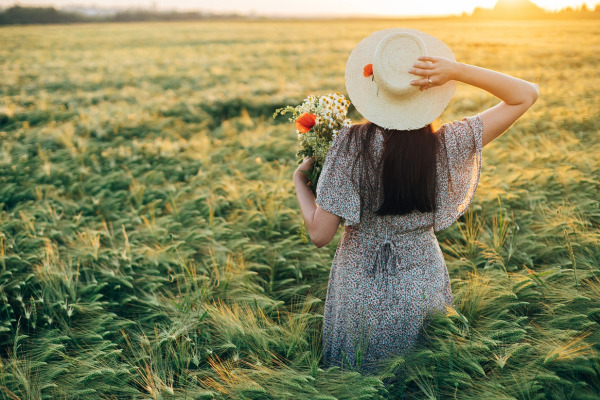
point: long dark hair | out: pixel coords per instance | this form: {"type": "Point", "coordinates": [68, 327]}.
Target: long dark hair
{"type": "Point", "coordinates": [409, 167]}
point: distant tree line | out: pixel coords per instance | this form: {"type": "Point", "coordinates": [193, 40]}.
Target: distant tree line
{"type": "Point", "coordinates": [525, 9]}
{"type": "Point", "coordinates": [18, 15]}
{"type": "Point", "coordinates": [37, 15]}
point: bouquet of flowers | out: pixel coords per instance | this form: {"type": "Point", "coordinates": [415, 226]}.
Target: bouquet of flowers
{"type": "Point", "coordinates": [318, 121]}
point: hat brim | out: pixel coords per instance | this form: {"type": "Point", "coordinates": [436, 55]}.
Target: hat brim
{"type": "Point", "coordinates": [394, 112]}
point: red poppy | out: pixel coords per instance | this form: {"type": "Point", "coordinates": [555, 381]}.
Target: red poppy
{"type": "Point", "coordinates": [368, 70]}
{"type": "Point", "coordinates": [305, 122]}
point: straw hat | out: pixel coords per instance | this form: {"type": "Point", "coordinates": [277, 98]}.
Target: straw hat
{"type": "Point", "coordinates": [386, 97]}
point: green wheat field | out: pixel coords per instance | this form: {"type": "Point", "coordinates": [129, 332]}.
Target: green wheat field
{"type": "Point", "coordinates": [152, 247]}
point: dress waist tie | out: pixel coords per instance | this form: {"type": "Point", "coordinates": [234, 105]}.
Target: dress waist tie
{"type": "Point", "coordinates": [385, 258]}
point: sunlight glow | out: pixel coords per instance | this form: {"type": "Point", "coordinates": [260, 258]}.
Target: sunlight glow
{"type": "Point", "coordinates": [555, 5]}
{"type": "Point", "coordinates": [307, 8]}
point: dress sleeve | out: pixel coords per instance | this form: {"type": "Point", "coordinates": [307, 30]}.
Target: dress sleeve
{"type": "Point", "coordinates": [458, 169]}
{"type": "Point", "coordinates": [336, 190]}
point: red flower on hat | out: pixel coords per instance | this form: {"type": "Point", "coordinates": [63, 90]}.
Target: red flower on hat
{"type": "Point", "coordinates": [368, 70]}
{"type": "Point", "coordinates": [305, 122]}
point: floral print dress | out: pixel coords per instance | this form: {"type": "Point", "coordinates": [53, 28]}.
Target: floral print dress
{"type": "Point", "coordinates": [388, 272]}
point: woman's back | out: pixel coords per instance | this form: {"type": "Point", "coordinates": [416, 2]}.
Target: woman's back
{"type": "Point", "coordinates": [458, 166]}
{"type": "Point", "coordinates": [388, 272]}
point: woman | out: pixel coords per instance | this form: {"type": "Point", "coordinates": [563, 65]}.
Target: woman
{"type": "Point", "coordinates": [395, 182]}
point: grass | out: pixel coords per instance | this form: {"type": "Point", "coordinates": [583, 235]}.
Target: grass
{"type": "Point", "coordinates": [151, 243]}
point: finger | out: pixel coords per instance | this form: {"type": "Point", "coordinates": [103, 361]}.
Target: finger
{"type": "Point", "coordinates": [420, 82]}
{"type": "Point", "coordinates": [427, 58]}
{"type": "Point", "coordinates": [419, 71]}
{"type": "Point", "coordinates": [424, 65]}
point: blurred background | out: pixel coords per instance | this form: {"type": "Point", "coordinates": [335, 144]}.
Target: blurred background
{"type": "Point", "coordinates": [315, 8]}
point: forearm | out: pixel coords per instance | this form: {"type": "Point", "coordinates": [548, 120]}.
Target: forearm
{"type": "Point", "coordinates": [306, 199]}
{"type": "Point", "coordinates": [511, 90]}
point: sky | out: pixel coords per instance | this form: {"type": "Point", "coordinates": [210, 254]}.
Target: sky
{"type": "Point", "coordinates": [304, 8]}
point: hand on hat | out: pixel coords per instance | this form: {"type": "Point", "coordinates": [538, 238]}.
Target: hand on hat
{"type": "Point", "coordinates": [435, 70]}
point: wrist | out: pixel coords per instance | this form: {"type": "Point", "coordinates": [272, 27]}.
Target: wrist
{"type": "Point", "coordinates": [301, 175]}
{"type": "Point", "coordinates": [458, 71]}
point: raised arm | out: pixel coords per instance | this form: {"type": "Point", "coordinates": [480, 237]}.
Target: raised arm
{"type": "Point", "coordinates": [517, 95]}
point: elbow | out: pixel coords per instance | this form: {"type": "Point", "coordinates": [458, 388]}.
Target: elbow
{"type": "Point", "coordinates": [319, 245]}
{"type": "Point", "coordinates": [322, 230]}
{"type": "Point", "coordinates": [534, 93]}
{"type": "Point", "coordinates": [527, 95]}
{"type": "Point", "coordinates": [318, 241]}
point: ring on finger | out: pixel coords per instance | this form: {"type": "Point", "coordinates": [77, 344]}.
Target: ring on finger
{"type": "Point", "coordinates": [430, 81]}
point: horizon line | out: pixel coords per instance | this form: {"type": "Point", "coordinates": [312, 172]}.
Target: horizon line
{"type": "Point", "coordinates": [254, 14]}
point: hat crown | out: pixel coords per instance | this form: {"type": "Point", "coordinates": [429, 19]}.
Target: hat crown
{"type": "Point", "coordinates": [395, 55]}
{"type": "Point", "coordinates": [387, 98]}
